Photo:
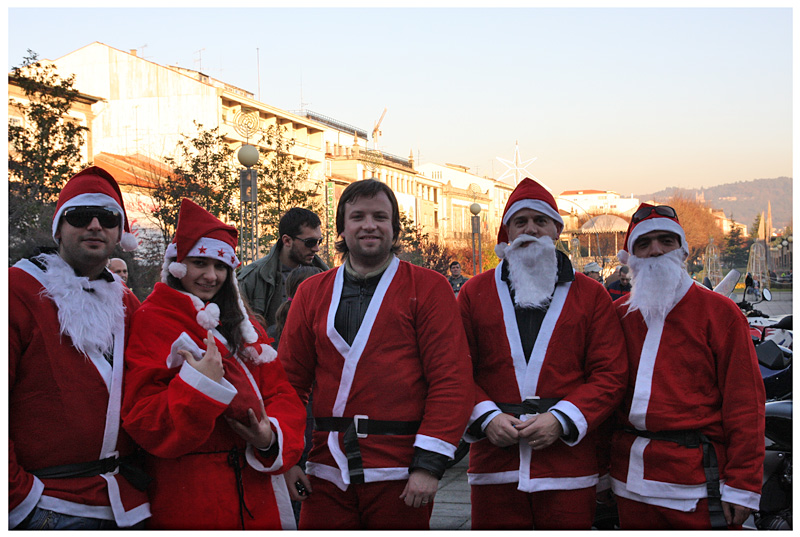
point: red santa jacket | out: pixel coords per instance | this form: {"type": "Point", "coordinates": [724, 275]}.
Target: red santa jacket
{"type": "Point", "coordinates": [578, 357]}
{"type": "Point", "coordinates": [64, 407]}
{"type": "Point", "coordinates": [697, 370]}
{"type": "Point", "coordinates": [408, 362]}
{"type": "Point", "coordinates": [176, 414]}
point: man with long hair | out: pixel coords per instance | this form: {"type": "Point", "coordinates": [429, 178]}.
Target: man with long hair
{"type": "Point", "coordinates": [691, 449]}
{"type": "Point", "coordinates": [549, 365]}
{"type": "Point", "coordinates": [380, 341]}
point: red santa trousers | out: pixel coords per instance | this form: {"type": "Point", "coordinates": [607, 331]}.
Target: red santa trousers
{"type": "Point", "coordinates": [503, 507]}
{"type": "Point", "coordinates": [635, 515]}
{"type": "Point", "coordinates": [371, 506]}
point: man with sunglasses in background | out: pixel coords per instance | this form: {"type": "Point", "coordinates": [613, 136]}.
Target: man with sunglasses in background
{"type": "Point", "coordinates": [263, 281]}
{"type": "Point", "coordinates": [690, 448]}
{"type": "Point", "coordinates": [69, 460]}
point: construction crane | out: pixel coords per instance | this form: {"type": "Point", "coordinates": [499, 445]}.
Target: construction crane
{"type": "Point", "coordinates": [376, 133]}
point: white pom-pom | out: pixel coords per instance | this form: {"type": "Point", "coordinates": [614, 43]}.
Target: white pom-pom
{"type": "Point", "coordinates": [500, 249]}
{"type": "Point", "coordinates": [128, 242]}
{"type": "Point", "coordinates": [213, 311]}
{"type": "Point", "coordinates": [249, 333]}
{"type": "Point", "coordinates": [268, 354]}
{"type": "Point", "coordinates": [623, 257]}
{"type": "Point", "coordinates": [177, 269]}
{"type": "Point", "coordinates": [208, 317]}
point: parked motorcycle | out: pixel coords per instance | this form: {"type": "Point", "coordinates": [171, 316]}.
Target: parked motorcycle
{"type": "Point", "coordinates": [773, 340]}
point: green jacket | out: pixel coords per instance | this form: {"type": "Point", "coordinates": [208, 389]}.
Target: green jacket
{"type": "Point", "coordinates": [261, 283]}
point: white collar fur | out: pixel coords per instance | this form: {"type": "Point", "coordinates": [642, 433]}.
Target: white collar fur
{"type": "Point", "coordinates": [89, 311]}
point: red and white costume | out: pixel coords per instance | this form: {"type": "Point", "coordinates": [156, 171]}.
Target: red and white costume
{"type": "Point", "coordinates": [408, 362]}
{"type": "Point", "coordinates": [205, 475]}
{"type": "Point", "coordinates": [175, 414]}
{"type": "Point", "coordinates": [64, 407]}
{"type": "Point", "coordinates": [696, 370]}
{"type": "Point", "coordinates": [578, 357]}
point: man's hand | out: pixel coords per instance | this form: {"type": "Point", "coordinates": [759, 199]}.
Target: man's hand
{"type": "Point", "coordinates": [292, 476]}
{"type": "Point", "coordinates": [541, 430]}
{"type": "Point", "coordinates": [211, 364]}
{"type": "Point", "coordinates": [735, 515]}
{"type": "Point", "coordinates": [259, 433]}
{"type": "Point", "coordinates": [420, 489]}
{"type": "Point", "coordinates": [501, 431]}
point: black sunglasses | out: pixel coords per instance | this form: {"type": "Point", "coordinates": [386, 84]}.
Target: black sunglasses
{"type": "Point", "coordinates": [83, 216]}
{"type": "Point", "coordinates": [663, 210]}
{"type": "Point", "coordinates": [309, 242]}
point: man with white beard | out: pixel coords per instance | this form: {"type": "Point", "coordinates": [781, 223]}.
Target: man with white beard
{"type": "Point", "coordinates": [549, 366]}
{"type": "Point", "coordinates": [690, 451]}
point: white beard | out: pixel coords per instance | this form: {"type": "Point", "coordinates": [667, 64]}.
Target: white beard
{"type": "Point", "coordinates": [532, 270]}
{"type": "Point", "coordinates": [88, 318]}
{"type": "Point", "coordinates": [656, 284]}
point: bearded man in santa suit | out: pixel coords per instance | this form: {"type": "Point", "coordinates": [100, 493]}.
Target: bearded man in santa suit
{"type": "Point", "coordinates": [380, 341]}
{"type": "Point", "coordinates": [691, 449]}
{"type": "Point", "coordinates": [69, 461]}
{"type": "Point", "coordinates": [549, 367]}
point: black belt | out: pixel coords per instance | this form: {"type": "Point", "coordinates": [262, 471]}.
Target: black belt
{"type": "Point", "coordinates": [528, 406]}
{"type": "Point", "coordinates": [360, 427]}
{"type": "Point", "coordinates": [692, 438]}
{"type": "Point", "coordinates": [129, 468]}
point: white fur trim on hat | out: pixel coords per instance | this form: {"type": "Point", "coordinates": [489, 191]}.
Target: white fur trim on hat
{"type": "Point", "coordinates": [208, 247]}
{"type": "Point", "coordinates": [92, 199]}
{"type": "Point", "coordinates": [537, 205]}
{"type": "Point", "coordinates": [655, 224]}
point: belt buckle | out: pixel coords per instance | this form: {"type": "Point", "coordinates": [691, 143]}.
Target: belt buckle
{"type": "Point", "coordinates": [356, 419]}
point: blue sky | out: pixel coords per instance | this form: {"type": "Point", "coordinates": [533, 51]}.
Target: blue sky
{"type": "Point", "coordinates": [626, 99]}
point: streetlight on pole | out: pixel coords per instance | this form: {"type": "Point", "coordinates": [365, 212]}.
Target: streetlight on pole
{"type": "Point", "coordinates": [475, 209]}
{"type": "Point", "coordinates": [248, 196]}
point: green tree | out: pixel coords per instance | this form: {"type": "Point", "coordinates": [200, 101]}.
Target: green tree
{"type": "Point", "coordinates": [735, 249]}
{"type": "Point", "coordinates": [283, 183]}
{"type": "Point", "coordinates": [204, 172]}
{"type": "Point", "coordinates": [420, 249]}
{"type": "Point", "coordinates": [44, 152]}
{"type": "Point", "coordinates": [754, 228]}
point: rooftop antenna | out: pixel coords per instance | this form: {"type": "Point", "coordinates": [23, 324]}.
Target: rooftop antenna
{"type": "Point", "coordinates": [199, 60]}
{"type": "Point", "coordinates": [302, 102]}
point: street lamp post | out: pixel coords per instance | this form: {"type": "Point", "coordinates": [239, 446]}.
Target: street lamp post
{"type": "Point", "coordinates": [475, 209]}
{"type": "Point", "coordinates": [248, 196]}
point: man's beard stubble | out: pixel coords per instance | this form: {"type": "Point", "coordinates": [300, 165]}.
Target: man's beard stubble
{"type": "Point", "coordinates": [532, 270]}
{"type": "Point", "coordinates": [656, 283]}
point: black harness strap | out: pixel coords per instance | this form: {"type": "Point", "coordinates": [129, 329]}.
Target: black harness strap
{"type": "Point", "coordinates": [693, 438]}
{"type": "Point", "coordinates": [360, 427]}
{"type": "Point", "coordinates": [129, 466]}
{"type": "Point", "coordinates": [528, 406]}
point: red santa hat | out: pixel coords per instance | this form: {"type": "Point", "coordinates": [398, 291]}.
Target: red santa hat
{"type": "Point", "coordinates": [529, 195]}
{"type": "Point", "coordinates": [200, 234]}
{"type": "Point", "coordinates": [649, 218]}
{"type": "Point", "coordinates": [95, 187]}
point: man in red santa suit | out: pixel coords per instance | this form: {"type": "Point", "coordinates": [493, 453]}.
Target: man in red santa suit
{"type": "Point", "coordinates": [691, 449]}
{"type": "Point", "coordinates": [69, 461]}
{"type": "Point", "coordinates": [549, 367]}
{"type": "Point", "coordinates": [380, 341]}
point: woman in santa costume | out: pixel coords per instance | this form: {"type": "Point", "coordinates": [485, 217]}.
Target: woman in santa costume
{"type": "Point", "coordinates": [204, 395]}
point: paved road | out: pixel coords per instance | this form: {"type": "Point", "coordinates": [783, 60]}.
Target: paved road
{"type": "Point", "coordinates": [451, 510]}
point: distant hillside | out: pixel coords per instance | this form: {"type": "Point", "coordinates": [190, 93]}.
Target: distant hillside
{"type": "Point", "coordinates": [742, 200]}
